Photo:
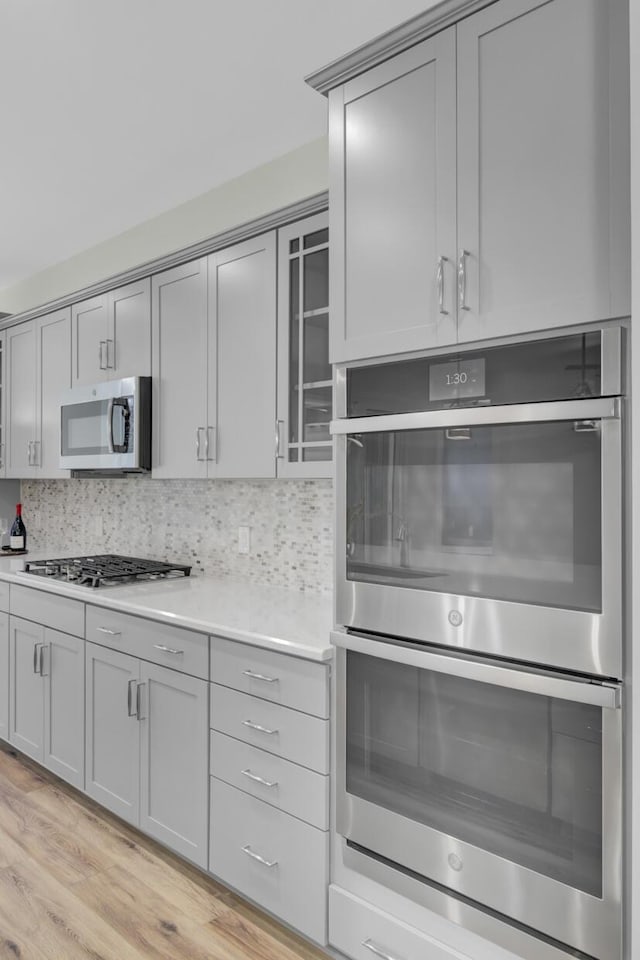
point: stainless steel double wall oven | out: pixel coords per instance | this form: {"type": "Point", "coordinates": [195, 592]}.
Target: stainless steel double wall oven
{"type": "Point", "coordinates": [480, 585]}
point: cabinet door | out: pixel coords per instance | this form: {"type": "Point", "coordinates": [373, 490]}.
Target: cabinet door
{"type": "Point", "coordinates": [52, 379]}
{"type": "Point", "coordinates": [242, 360]}
{"type": "Point", "coordinates": [538, 193]}
{"type": "Point", "coordinates": [112, 760]}
{"type": "Point", "coordinates": [26, 711]}
{"type": "Point", "coordinates": [21, 400]}
{"type": "Point", "coordinates": [4, 676]}
{"type": "Point", "coordinates": [128, 350]}
{"type": "Point", "coordinates": [3, 404]}
{"type": "Point", "coordinates": [393, 201]}
{"type": "Point", "coordinates": [179, 339]}
{"type": "Point", "coordinates": [89, 341]}
{"type": "Point", "coordinates": [174, 755]}
{"type": "Point", "coordinates": [63, 672]}
{"type": "Point", "coordinates": [305, 386]}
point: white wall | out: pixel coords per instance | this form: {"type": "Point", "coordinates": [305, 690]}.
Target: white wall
{"type": "Point", "coordinates": [289, 178]}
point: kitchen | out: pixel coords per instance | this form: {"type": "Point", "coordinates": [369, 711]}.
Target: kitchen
{"type": "Point", "coordinates": [304, 512]}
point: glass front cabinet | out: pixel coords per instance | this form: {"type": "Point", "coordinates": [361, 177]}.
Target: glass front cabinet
{"type": "Point", "coordinates": [305, 391]}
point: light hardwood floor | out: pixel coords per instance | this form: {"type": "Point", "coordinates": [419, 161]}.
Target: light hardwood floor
{"type": "Point", "coordinates": [75, 882]}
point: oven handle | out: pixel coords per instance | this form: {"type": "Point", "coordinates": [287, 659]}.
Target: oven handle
{"type": "Point", "coordinates": [596, 693]}
{"type": "Point", "coordinates": [595, 408]}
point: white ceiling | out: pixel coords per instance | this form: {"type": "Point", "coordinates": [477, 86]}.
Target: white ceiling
{"type": "Point", "coordinates": [112, 111]}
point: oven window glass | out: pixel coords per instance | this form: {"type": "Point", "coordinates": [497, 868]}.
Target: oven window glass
{"type": "Point", "coordinates": [514, 773]}
{"type": "Point", "coordinates": [85, 428]}
{"type": "Point", "coordinates": [508, 512]}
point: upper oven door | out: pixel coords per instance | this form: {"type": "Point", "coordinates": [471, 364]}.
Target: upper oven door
{"type": "Point", "coordinates": [100, 426]}
{"type": "Point", "coordinates": [497, 529]}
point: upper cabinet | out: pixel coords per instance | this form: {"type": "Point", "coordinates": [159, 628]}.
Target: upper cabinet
{"type": "Point", "coordinates": [111, 335]}
{"type": "Point", "coordinates": [38, 365]}
{"type": "Point", "coordinates": [305, 400]}
{"type": "Point", "coordinates": [214, 364]}
{"type": "Point", "coordinates": [479, 181]}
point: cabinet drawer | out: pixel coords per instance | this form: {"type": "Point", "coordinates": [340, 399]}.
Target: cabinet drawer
{"type": "Point", "coordinates": [273, 676]}
{"type": "Point", "coordinates": [60, 613]}
{"type": "Point", "coordinates": [288, 786]}
{"type": "Point", "coordinates": [287, 733]}
{"type": "Point", "coordinates": [292, 883]}
{"type": "Point", "coordinates": [4, 596]}
{"type": "Point", "coordinates": [364, 933]}
{"type": "Point", "coordinates": [161, 643]}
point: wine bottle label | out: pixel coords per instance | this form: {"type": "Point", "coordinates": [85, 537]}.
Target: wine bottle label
{"type": "Point", "coordinates": [16, 543]}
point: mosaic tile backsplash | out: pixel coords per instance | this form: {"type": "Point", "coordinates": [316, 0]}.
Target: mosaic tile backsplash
{"type": "Point", "coordinates": [192, 521]}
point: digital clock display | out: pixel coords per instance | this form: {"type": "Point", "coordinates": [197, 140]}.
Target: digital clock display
{"type": "Point", "coordinates": [456, 380]}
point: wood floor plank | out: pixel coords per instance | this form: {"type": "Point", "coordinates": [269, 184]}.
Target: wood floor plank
{"type": "Point", "coordinates": [76, 883]}
{"type": "Point", "coordinates": [53, 920]}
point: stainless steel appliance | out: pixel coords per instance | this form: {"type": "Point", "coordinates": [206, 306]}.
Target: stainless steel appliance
{"type": "Point", "coordinates": [106, 428]}
{"type": "Point", "coordinates": [104, 569]}
{"type": "Point", "coordinates": [478, 675]}
{"type": "Point", "coordinates": [479, 500]}
{"type": "Point", "coordinates": [497, 783]}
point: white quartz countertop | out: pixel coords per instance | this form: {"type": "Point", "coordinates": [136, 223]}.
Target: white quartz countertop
{"type": "Point", "coordinates": [273, 617]}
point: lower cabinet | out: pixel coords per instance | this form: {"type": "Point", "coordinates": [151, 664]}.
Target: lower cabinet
{"type": "Point", "coordinates": [277, 860]}
{"type": "Point", "coordinates": [46, 697]}
{"type": "Point", "coordinates": [146, 747]}
{"type": "Point", "coordinates": [269, 781]}
{"type": "Point", "coordinates": [4, 676]}
{"type": "Point", "coordinates": [362, 931]}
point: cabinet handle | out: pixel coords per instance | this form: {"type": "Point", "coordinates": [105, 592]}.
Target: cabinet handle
{"type": "Point", "coordinates": [111, 633]}
{"type": "Point", "coordinates": [462, 279]}
{"type": "Point", "coordinates": [110, 365]}
{"type": "Point", "coordinates": [259, 676]}
{"type": "Point", "coordinates": [256, 726]}
{"type": "Point", "coordinates": [130, 711]}
{"type": "Point", "coordinates": [36, 453]}
{"type": "Point", "coordinates": [139, 701]}
{"type": "Point", "coordinates": [256, 856]}
{"type": "Point", "coordinates": [198, 432]}
{"type": "Point", "coordinates": [29, 442]}
{"type": "Point", "coordinates": [161, 646]}
{"type": "Point", "coordinates": [370, 945]}
{"type": "Point", "coordinates": [440, 282]}
{"type": "Point", "coordinates": [279, 445]}
{"type": "Point", "coordinates": [41, 661]}
{"type": "Point", "coordinates": [1, 454]}
{"type": "Point", "coordinates": [101, 360]}
{"type": "Point", "coordinates": [35, 656]}
{"type": "Point", "coordinates": [257, 779]}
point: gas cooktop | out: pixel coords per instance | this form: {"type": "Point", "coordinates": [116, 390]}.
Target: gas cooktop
{"type": "Point", "coordinates": [104, 569]}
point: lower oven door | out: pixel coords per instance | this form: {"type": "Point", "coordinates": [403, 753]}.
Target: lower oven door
{"type": "Point", "coordinates": [499, 782]}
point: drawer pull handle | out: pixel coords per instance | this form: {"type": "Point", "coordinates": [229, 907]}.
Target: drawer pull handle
{"type": "Point", "coordinates": [370, 945]}
{"type": "Point", "coordinates": [256, 726]}
{"type": "Point", "coordinates": [254, 776]}
{"type": "Point", "coordinates": [161, 646]}
{"type": "Point", "coordinates": [260, 676]}
{"type": "Point", "coordinates": [112, 633]}
{"type": "Point", "coordinates": [256, 856]}
{"type": "Point", "coordinates": [130, 711]}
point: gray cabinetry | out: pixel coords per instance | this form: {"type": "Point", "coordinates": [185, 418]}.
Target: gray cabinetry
{"type": "Point", "coordinates": [146, 740]}
{"type": "Point", "coordinates": [214, 343]}
{"type": "Point", "coordinates": [305, 386]}
{"type": "Point", "coordinates": [111, 335]}
{"type": "Point", "coordinates": [4, 676]}
{"type": "Point", "coordinates": [39, 371]}
{"type": "Point", "coordinates": [479, 186]}
{"type": "Point", "coordinates": [269, 781]}
{"type": "Point", "coordinates": [46, 697]}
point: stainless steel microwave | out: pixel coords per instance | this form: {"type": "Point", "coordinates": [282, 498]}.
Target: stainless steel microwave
{"type": "Point", "coordinates": [106, 428]}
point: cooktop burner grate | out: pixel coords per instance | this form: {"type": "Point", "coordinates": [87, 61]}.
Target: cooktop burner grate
{"type": "Point", "coordinates": [106, 568]}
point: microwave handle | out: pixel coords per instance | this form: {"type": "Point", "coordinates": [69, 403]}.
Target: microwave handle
{"type": "Point", "coordinates": [597, 693]}
{"type": "Point", "coordinates": [113, 403]}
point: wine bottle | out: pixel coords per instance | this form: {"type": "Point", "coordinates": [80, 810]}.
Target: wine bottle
{"type": "Point", "coordinates": [18, 533]}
